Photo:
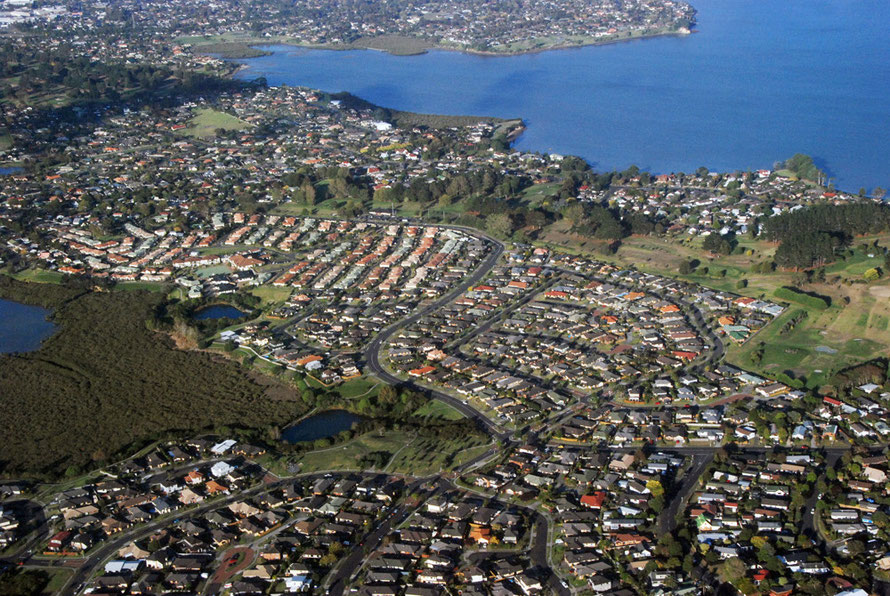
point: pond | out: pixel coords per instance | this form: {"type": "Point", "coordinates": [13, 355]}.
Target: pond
{"type": "Point", "coordinates": [218, 311]}
{"type": "Point", "coordinates": [23, 327]}
{"type": "Point", "coordinates": [319, 426]}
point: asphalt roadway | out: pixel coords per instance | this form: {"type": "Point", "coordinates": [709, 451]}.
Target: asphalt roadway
{"type": "Point", "coordinates": [371, 353]}
{"type": "Point", "coordinates": [667, 521]}
{"type": "Point", "coordinates": [351, 565]}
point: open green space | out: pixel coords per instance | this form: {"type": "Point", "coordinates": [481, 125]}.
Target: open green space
{"type": "Point", "coordinates": [270, 294]}
{"type": "Point", "coordinates": [358, 387]}
{"type": "Point", "coordinates": [39, 276]}
{"type": "Point", "coordinates": [104, 383]}
{"type": "Point", "coordinates": [429, 455]}
{"type": "Point", "coordinates": [210, 271]}
{"type": "Point", "coordinates": [399, 45]}
{"type": "Point", "coordinates": [207, 121]}
{"type": "Point", "coordinates": [348, 456]}
{"type": "Point", "coordinates": [58, 577]}
{"type": "Point", "coordinates": [404, 451]}
{"type": "Point", "coordinates": [32, 582]}
{"type": "Point", "coordinates": [143, 286]}
{"type": "Point", "coordinates": [436, 409]}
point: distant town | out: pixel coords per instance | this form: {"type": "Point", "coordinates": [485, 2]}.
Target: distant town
{"type": "Point", "coordinates": [303, 344]}
{"type": "Point", "coordinates": [400, 27]}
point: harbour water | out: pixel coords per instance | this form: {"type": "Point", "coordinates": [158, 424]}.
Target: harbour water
{"type": "Point", "coordinates": [759, 81]}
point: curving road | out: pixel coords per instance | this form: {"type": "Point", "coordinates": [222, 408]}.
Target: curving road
{"type": "Point", "coordinates": [371, 353]}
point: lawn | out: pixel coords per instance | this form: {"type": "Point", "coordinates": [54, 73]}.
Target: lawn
{"type": "Point", "coordinates": [58, 576]}
{"type": "Point", "coordinates": [270, 294]}
{"type": "Point", "coordinates": [206, 122]}
{"type": "Point", "coordinates": [408, 452]}
{"type": "Point", "coordinates": [40, 276]}
{"type": "Point", "coordinates": [430, 456]}
{"type": "Point", "coordinates": [148, 286]}
{"type": "Point", "coordinates": [290, 208]}
{"type": "Point", "coordinates": [821, 344]}
{"type": "Point", "coordinates": [438, 410]}
{"type": "Point", "coordinates": [358, 387]}
{"type": "Point", "coordinates": [537, 194]}
{"type": "Point", "coordinates": [205, 272]}
{"type": "Point", "coordinates": [399, 45]}
{"type": "Point", "coordinates": [348, 455]}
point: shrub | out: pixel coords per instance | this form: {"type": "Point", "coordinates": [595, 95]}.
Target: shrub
{"type": "Point", "coordinates": [812, 301]}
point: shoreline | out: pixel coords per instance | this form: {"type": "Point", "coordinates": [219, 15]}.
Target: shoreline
{"type": "Point", "coordinates": [254, 45]}
{"type": "Point", "coordinates": [516, 132]}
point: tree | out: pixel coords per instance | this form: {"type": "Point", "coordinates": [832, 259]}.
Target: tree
{"type": "Point", "coordinates": [685, 267]}
{"type": "Point", "coordinates": [574, 214]}
{"type": "Point", "coordinates": [732, 570]}
{"type": "Point", "coordinates": [387, 395]}
{"type": "Point", "coordinates": [655, 488]}
{"type": "Point", "coordinates": [20, 582]}
{"type": "Point", "coordinates": [804, 249]}
{"type": "Point", "coordinates": [308, 190]}
{"type": "Point", "coordinates": [718, 244]}
{"type": "Point", "coordinates": [499, 225]}
{"type": "Point", "coordinates": [803, 167]}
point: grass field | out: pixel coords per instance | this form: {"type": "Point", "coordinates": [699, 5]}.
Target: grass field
{"type": "Point", "coordinates": [399, 45]}
{"type": "Point", "coordinates": [147, 286]}
{"type": "Point", "coordinates": [436, 409]}
{"type": "Point", "coordinates": [536, 195]}
{"type": "Point", "coordinates": [206, 122]}
{"type": "Point", "coordinates": [271, 294]}
{"type": "Point", "coordinates": [348, 456]}
{"type": "Point", "coordinates": [58, 576]}
{"type": "Point", "coordinates": [409, 453]}
{"type": "Point", "coordinates": [358, 387]}
{"type": "Point", "coordinates": [40, 276]}
{"type": "Point", "coordinates": [429, 455]}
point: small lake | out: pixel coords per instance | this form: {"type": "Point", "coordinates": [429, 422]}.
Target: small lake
{"type": "Point", "coordinates": [23, 327]}
{"type": "Point", "coordinates": [218, 311]}
{"type": "Point", "coordinates": [320, 426]}
{"type": "Point", "coordinates": [7, 170]}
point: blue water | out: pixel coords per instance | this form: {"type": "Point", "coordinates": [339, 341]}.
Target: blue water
{"type": "Point", "coordinates": [218, 311]}
{"type": "Point", "coordinates": [6, 170]}
{"type": "Point", "coordinates": [23, 327]}
{"type": "Point", "coordinates": [759, 81]}
{"type": "Point", "coordinates": [319, 426]}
